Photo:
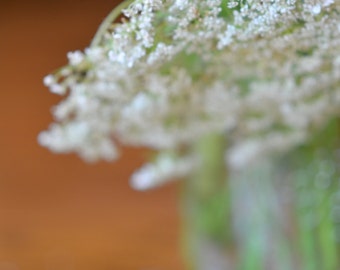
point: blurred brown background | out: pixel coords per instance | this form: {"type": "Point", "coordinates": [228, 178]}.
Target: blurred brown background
{"type": "Point", "coordinates": [56, 212]}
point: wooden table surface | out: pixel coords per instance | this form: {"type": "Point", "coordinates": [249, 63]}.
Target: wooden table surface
{"type": "Point", "coordinates": [56, 212]}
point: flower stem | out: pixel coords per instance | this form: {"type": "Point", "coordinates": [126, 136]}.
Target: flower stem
{"type": "Point", "coordinates": [207, 209]}
{"type": "Point", "coordinates": [282, 213]}
{"type": "Point", "coordinates": [107, 23]}
{"type": "Point", "coordinates": [317, 187]}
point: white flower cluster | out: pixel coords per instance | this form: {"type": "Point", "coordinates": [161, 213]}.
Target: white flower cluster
{"type": "Point", "coordinates": [264, 73]}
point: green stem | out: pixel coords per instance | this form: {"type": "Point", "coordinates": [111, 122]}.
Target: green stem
{"type": "Point", "coordinates": [261, 216]}
{"type": "Point", "coordinates": [107, 23]}
{"type": "Point", "coordinates": [279, 214]}
{"type": "Point", "coordinates": [207, 208]}
{"type": "Point", "coordinates": [316, 184]}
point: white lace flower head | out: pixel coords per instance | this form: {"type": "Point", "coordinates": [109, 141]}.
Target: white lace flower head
{"type": "Point", "coordinates": [264, 73]}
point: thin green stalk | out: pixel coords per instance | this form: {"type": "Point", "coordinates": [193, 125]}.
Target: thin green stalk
{"type": "Point", "coordinates": [107, 23]}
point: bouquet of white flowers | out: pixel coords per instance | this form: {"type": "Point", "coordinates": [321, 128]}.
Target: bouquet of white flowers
{"type": "Point", "coordinates": [240, 97]}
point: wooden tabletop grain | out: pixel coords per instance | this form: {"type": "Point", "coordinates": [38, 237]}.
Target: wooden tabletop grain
{"type": "Point", "coordinates": [56, 212]}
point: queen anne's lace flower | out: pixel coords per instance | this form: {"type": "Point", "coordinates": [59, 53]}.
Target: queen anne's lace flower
{"type": "Point", "coordinates": [265, 73]}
